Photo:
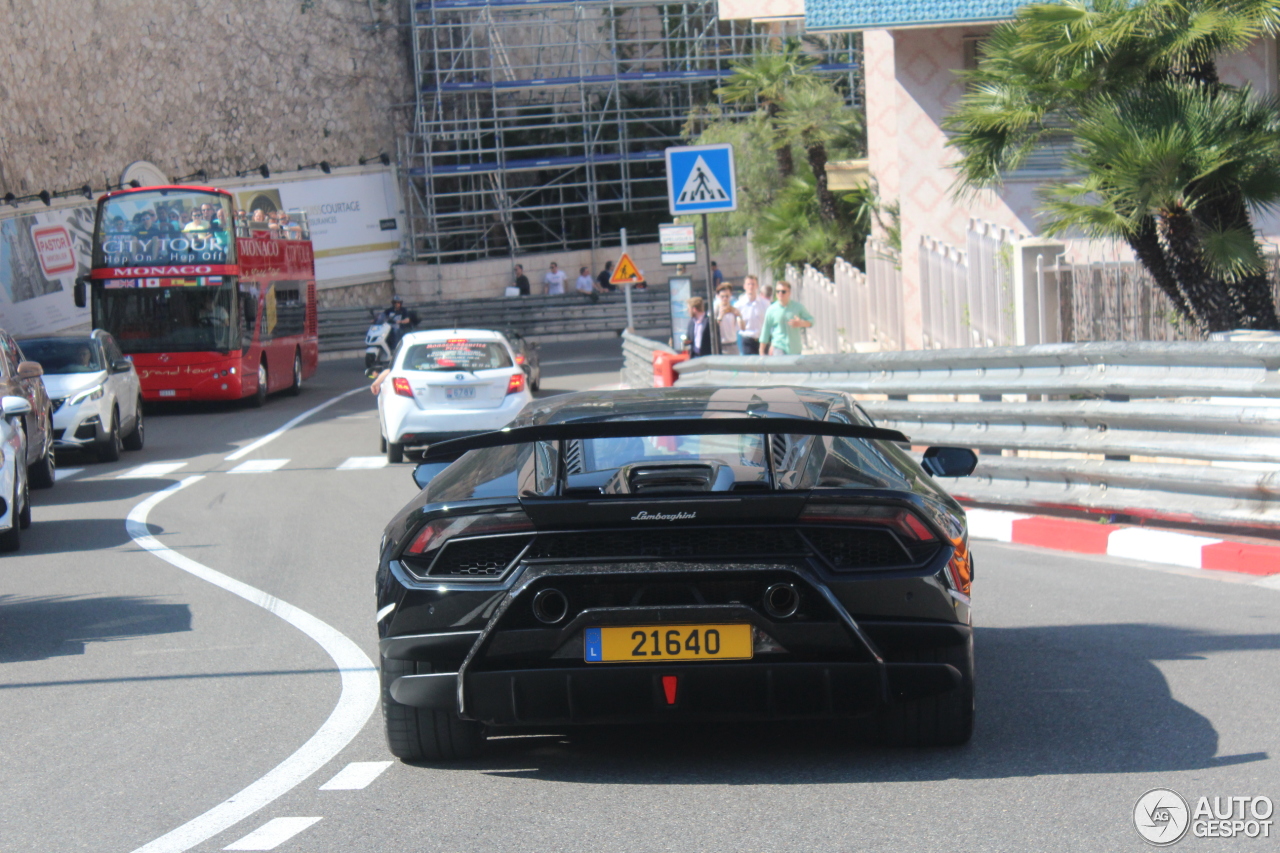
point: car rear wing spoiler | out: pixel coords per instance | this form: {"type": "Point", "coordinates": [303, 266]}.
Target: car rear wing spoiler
{"type": "Point", "coordinates": [447, 451]}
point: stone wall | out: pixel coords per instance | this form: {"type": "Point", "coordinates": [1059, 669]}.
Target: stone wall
{"type": "Point", "coordinates": [91, 86]}
{"type": "Point", "coordinates": [489, 278]}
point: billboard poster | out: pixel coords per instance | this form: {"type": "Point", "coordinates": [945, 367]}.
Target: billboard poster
{"type": "Point", "coordinates": [355, 220]}
{"type": "Point", "coordinates": [40, 256]}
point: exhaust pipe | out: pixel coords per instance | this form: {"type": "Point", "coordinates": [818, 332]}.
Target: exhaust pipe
{"type": "Point", "coordinates": [550, 606]}
{"type": "Point", "coordinates": [781, 601]}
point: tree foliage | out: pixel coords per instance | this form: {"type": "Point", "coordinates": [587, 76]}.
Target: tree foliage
{"type": "Point", "coordinates": [1165, 156]}
{"type": "Point", "coordinates": [799, 118]}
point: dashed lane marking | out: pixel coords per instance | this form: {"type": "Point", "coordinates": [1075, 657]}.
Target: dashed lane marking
{"type": "Point", "coordinates": [64, 473]}
{"type": "Point", "coordinates": [356, 776]}
{"type": "Point", "coordinates": [153, 469]}
{"type": "Point", "coordinates": [259, 466]}
{"type": "Point", "coordinates": [290, 424]}
{"type": "Point", "coordinates": [363, 463]}
{"type": "Point", "coordinates": [272, 834]}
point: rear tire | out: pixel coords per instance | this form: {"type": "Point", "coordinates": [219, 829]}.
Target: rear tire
{"type": "Point", "coordinates": [108, 449]}
{"type": "Point", "coordinates": [296, 388]}
{"type": "Point", "coordinates": [41, 475]}
{"type": "Point", "coordinates": [416, 734]}
{"type": "Point", "coordinates": [24, 518]}
{"type": "Point", "coordinates": [395, 452]}
{"type": "Point", "coordinates": [12, 538]}
{"type": "Point", "coordinates": [135, 439]}
{"type": "Point", "coordinates": [260, 396]}
{"type": "Point", "coordinates": [383, 439]}
{"type": "Point", "coordinates": [370, 360]}
{"type": "Point", "coordinates": [943, 720]}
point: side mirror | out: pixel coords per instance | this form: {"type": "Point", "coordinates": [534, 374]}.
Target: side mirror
{"type": "Point", "coordinates": [30, 370]}
{"type": "Point", "coordinates": [14, 406]}
{"type": "Point", "coordinates": [121, 366]}
{"type": "Point", "coordinates": [425, 472]}
{"type": "Point", "coordinates": [949, 461]}
{"type": "Point", "coordinates": [78, 292]}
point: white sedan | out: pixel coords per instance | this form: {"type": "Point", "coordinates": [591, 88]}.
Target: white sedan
{"type": "Point", "coordinates": [449, 383]}
{"type": "Point", "coordinates": [15, 500]}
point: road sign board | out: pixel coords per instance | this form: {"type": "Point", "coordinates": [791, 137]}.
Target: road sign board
{"type": "Point", "coordinates": [625, 272]}
{"type": "Point", "coordinates": [700, 179]}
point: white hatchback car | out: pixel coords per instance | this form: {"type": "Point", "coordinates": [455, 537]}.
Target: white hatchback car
{"type": "Point", "coordinates": [15, 498]}
{"type": "Point", "coordinates": [96, 394]}
{"type": "Point", "coordinates": [449, 383]}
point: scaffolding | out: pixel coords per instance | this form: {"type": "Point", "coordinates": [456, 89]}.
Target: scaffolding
{"type": "Point", "coordinates": [540, 125]}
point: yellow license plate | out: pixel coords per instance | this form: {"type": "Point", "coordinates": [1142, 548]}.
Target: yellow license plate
{"type": "Point", "coordinates": [638, 643]}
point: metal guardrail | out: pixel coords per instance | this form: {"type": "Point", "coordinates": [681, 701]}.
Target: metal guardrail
{"type": "Point", "coordinates": [532, 316]}
{"type": "Point", "coordinates": [637, 359]}
{"type": "Point", "coordinates": [1180, 431]}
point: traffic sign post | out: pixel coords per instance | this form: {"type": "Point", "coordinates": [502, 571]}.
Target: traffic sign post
{"type": "Point", "coordinates": [700, 179]}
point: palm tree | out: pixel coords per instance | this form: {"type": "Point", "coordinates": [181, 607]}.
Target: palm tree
{"type": "Point", "coordinates": [764, 79]}
{"type": "Point", "coordinates": [816, 117]}
{"type": "Point", "coordinates": [1169, 158]}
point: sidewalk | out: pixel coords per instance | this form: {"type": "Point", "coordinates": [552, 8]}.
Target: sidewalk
{"type": "Point", "coordinates": [1193, 551]}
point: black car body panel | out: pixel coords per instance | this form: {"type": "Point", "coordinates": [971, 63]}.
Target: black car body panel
{"type": "Point", "coordinates": [800, 519]}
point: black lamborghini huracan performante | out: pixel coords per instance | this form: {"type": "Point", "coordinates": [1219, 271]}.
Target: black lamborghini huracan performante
{"type": "Point", "coordinates": [673, 555]}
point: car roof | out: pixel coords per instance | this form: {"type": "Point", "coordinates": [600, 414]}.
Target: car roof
{"type": "Point", "coordinates": [696, 402]}
{"type": "Point", "coordinates": [63, 336]}
{"type": "Point", "coordinates": [446, 334]}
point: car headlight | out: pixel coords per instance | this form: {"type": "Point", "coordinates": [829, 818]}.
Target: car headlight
{"type": "Point", "coordinates": [94, 393]}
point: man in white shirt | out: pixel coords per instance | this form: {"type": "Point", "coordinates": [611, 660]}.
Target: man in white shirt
{"type": "Point", "coordinates": [553, 281]}
{"type": "Point", "coordinates": [752, 307]}
{"type": "Point", "coordinates": [585, 283]}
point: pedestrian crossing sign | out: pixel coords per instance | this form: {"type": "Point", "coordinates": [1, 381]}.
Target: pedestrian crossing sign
{"type": "Point", "coordinates": [700, 179]}
{"type": "Point", "coordinates": [625, 272]}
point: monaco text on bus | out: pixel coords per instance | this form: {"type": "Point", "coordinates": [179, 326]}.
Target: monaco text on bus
{"type": "Point", "coordinates": [210, 302]}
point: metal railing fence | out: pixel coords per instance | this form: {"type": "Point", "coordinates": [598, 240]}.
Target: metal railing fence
{"type": "Point", "coordinates": [1184, 431]}
{"type": "Point", "coordinates": [343, 329]}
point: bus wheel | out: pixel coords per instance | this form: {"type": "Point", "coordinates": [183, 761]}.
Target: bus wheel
{"type": "Point", "coordinates": [260, 396]}
{"type": "Point", "coordinates": [296, 388]}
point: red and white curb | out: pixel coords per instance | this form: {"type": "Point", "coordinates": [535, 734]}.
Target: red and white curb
{"type": "Point", "coordinates": [1118, 540]}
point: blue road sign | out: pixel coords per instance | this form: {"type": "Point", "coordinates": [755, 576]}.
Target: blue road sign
{"type": "Point", "coordinates": [700, 179]}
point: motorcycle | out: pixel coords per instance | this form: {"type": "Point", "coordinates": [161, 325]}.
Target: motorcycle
{"type": "Point", "coordinates": [377, 342]}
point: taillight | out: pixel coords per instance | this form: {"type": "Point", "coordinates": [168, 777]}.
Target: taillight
{"type": "Point", "coordinates": [516, 383]}
{"type": "Point", "coordinates": [900, 520]}
{"type": "Point", "coordinates": [519, 358]}
{"type": "Point", "coordinates": [401, 386]}
{"type": "Point", "coordinates": [435, 533]}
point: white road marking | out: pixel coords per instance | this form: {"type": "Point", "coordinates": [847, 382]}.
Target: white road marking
{"type": "Point", "coordinates": [363, 463]}
{"type": "Point", "coordinates": [153, 469]}
{"type": "Point", "coordinates": [356, 703]}
{"type": "Point", "coordinates": [272, 834]}
{"type": "Point", "coordinates": [288, 425]}
{"type": "Point", "coordinates": [356, 776]}
{"type": "Point", "coordinates": [64, 473]}
{"type": "Point", "coordinates": [259, 466]}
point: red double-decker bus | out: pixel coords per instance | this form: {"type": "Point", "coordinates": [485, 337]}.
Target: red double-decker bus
{"type": "Point", "coordinates": [209, 306]}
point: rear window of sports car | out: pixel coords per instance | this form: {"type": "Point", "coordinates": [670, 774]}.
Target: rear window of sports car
{"type": "Point", "coordinates": [456, 354]}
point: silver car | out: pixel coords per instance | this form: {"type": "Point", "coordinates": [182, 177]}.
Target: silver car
{"type": "Point", "coordinates": [97, 398]}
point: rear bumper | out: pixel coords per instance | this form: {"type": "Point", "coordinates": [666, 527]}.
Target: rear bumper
{"type": "Point", "coordinates": [703, 691]}
{"type": "Point", "coordinates": [407, 424]}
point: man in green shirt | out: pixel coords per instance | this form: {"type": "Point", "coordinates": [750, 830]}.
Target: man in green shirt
{"type": "Point", "coordinates": [782, 324]}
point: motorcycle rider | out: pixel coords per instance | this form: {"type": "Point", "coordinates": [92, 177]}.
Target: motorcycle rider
{"type": "Point", "coordinates": [401, 319]}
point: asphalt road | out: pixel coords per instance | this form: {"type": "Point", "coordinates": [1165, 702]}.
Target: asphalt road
{"type": "Point", "coordinates": [136, 697]}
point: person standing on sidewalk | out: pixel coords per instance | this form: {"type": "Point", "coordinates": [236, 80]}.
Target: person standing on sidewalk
{"type": "Point", "coordinates": [553, 281]}
{"type": "Point", "coordinates": [752, 307]}
{"type": "Point", "coordinates": [728, 320]}
{"type": "Point", "coordinates": [697, 336]}
{"type": "Point", "coordinates": [780, 334]}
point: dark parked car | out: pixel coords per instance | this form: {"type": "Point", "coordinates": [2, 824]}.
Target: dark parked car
{"type": "Point", "coordinates": [677, 554]}
{"type": "Point", "coordinates": [526, 356]}
{"type": "Point", "coordinates": [22, 378]}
